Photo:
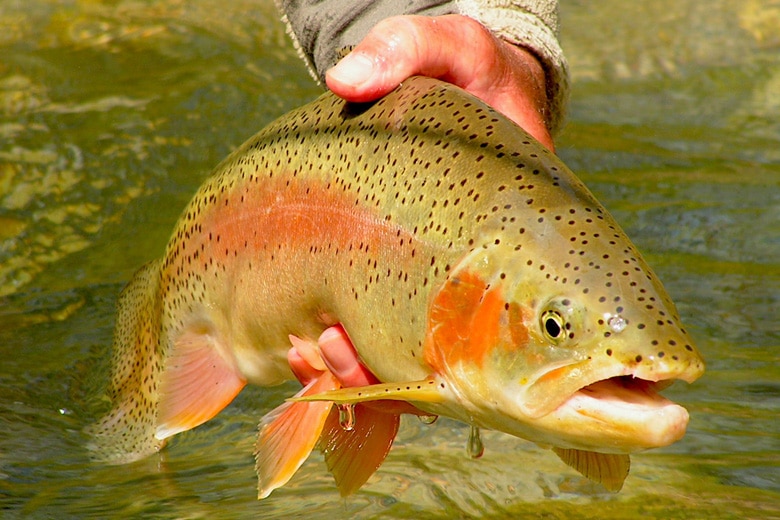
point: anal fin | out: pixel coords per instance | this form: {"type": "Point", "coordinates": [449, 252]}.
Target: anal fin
{"type": "Point", "coordinates": [609, 469]}
{"type": "Point", "coordinates": [287, 435]}
{"type": "Point", "coordinates": [196, 384]}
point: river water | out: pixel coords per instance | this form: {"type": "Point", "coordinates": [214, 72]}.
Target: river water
{"type": "Point", "coordinates": [113, 112]}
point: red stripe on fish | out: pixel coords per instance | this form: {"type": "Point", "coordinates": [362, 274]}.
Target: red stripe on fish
{"type": "Point", "coordinates": [280, 215]}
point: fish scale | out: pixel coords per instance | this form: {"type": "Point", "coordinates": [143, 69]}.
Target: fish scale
{"type": "Point", "coordinates": [449, 244]}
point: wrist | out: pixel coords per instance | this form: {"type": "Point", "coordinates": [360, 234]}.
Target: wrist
{"type": "Point", "coordinates": [529, 102]}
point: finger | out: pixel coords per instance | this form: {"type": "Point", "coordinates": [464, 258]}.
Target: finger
{"type": "Point", "coordinates": [302, 370]}
{"type": "Point", "coordinates": [308, 351]}
{"type": "Point", "coordinates": [341, 358]}
{"type": "Point", "coordinates": [395, 49]}
{"type": "Point", "coordinates": [403, 46]}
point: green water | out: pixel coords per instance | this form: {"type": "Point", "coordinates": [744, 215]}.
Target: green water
{"type": "Point", "coordinates": [111, 114]}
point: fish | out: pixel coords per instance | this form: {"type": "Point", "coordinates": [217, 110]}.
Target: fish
{"type": "Point", "coordinates": [476, 276]}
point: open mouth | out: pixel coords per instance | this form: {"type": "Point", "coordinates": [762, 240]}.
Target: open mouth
{"type": "Point", "coordinates": [629, 390]}
{"type": "Point", "coordinates": [632, 406]}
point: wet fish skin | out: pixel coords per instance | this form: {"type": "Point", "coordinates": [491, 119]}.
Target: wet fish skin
{"type": "Point", "coordinates": [449, 244]}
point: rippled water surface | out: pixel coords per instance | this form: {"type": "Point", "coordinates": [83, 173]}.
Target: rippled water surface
{"type": "Point", "coordinates": [113, 112]}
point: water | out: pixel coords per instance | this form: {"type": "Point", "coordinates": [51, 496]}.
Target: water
{"type": "Point", "coordinates": [346, 416]}
{"type": "Point", "coordinates": [475, 447]}
{"type": "Point", "coordinates": [113, 112]}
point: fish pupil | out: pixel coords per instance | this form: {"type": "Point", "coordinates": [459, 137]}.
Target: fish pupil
{"type": "Point", "coordinates": [552, 327]}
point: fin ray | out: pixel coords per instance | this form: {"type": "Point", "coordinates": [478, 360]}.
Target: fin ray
{"type": "Point", "coordinates": [426, 390]}
{"type": "Point", "coordinates": [196, 384]}
{"type": "Point", "coordinates": [352, 456]}
{"type": "Point", "coordinates": [609, 469]}
{"type": "Point", "coordinates": [287, 434]}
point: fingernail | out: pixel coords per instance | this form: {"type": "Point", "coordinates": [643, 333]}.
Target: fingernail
{"type": "Point", "coordinates": [354, 69]}
{"type": "Point", "coordinates": [337, 352]}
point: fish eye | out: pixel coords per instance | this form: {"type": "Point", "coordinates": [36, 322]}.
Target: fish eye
{"type": "Point", "coordinates": [553, 325]}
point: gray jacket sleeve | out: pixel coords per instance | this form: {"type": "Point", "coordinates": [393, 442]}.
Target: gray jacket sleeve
{"type": "Point", "coordinates": [322, 28]}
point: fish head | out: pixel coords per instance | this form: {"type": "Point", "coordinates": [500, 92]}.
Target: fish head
{"type": "Point", "coordinates": [564, 337]}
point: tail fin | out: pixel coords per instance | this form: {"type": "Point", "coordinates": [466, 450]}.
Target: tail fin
{"type": "Point", "coordinates": [127, 433]}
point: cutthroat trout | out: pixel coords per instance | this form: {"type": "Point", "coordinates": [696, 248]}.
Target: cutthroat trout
{"type": "Point", "coordinates": [476, 276]}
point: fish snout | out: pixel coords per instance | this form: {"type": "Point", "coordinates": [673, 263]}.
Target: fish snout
{"type": "Point", "coordinates": [654, 355]}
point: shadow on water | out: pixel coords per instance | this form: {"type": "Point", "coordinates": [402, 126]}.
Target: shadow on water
{"type": "Point", "coordinates": [112, 113]}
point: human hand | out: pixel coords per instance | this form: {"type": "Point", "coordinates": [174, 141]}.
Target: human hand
{"type": "Point", "coordinates": [453, 48]}
{"type": "Point", "coordinates": [334, 352]}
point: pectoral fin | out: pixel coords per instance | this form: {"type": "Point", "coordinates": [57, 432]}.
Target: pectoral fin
{"type": "Point", "coordinates": [354, 455]}
{"type": "Point", "coordinates": [608, 469]}
{"type": "Point", "coordinates": [287, 435]}
{"type": "Point", "coordinates": [427, 390]}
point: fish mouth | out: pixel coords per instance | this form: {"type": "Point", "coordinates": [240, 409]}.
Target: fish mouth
{"type": "Point", "coordinates": [608, 406]}
{"type": "Point", "coordinates": [623, 414]}
{"type": "Point", "coordinates": [608, 383]}
{"type": "Point", "coordinates": [631, 388]}
{"type": "Point", "coordinates": [624, 393]}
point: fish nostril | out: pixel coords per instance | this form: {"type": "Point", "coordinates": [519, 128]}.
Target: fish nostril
{"type": "Point", "coordinates": [617, 323]}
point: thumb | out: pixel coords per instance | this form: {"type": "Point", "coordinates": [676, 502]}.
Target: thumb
{"type": "Point", "coordinates": [395, 49]}
{"type": "Point", "coordinates": [455, 49]}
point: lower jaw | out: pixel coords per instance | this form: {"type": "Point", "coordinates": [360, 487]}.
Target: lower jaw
{"type": "Point", "coordinates": [618, 415]}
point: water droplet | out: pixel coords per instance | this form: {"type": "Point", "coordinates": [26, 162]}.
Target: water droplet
{"type": "Point", "coordinates": [617, 323]}
{"type": "Point", "coordinates": [427, 419]}
{"type": "Point", "coordinates": [475, 446]}
{"type": "Point", "coordinates": [347, 416]}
